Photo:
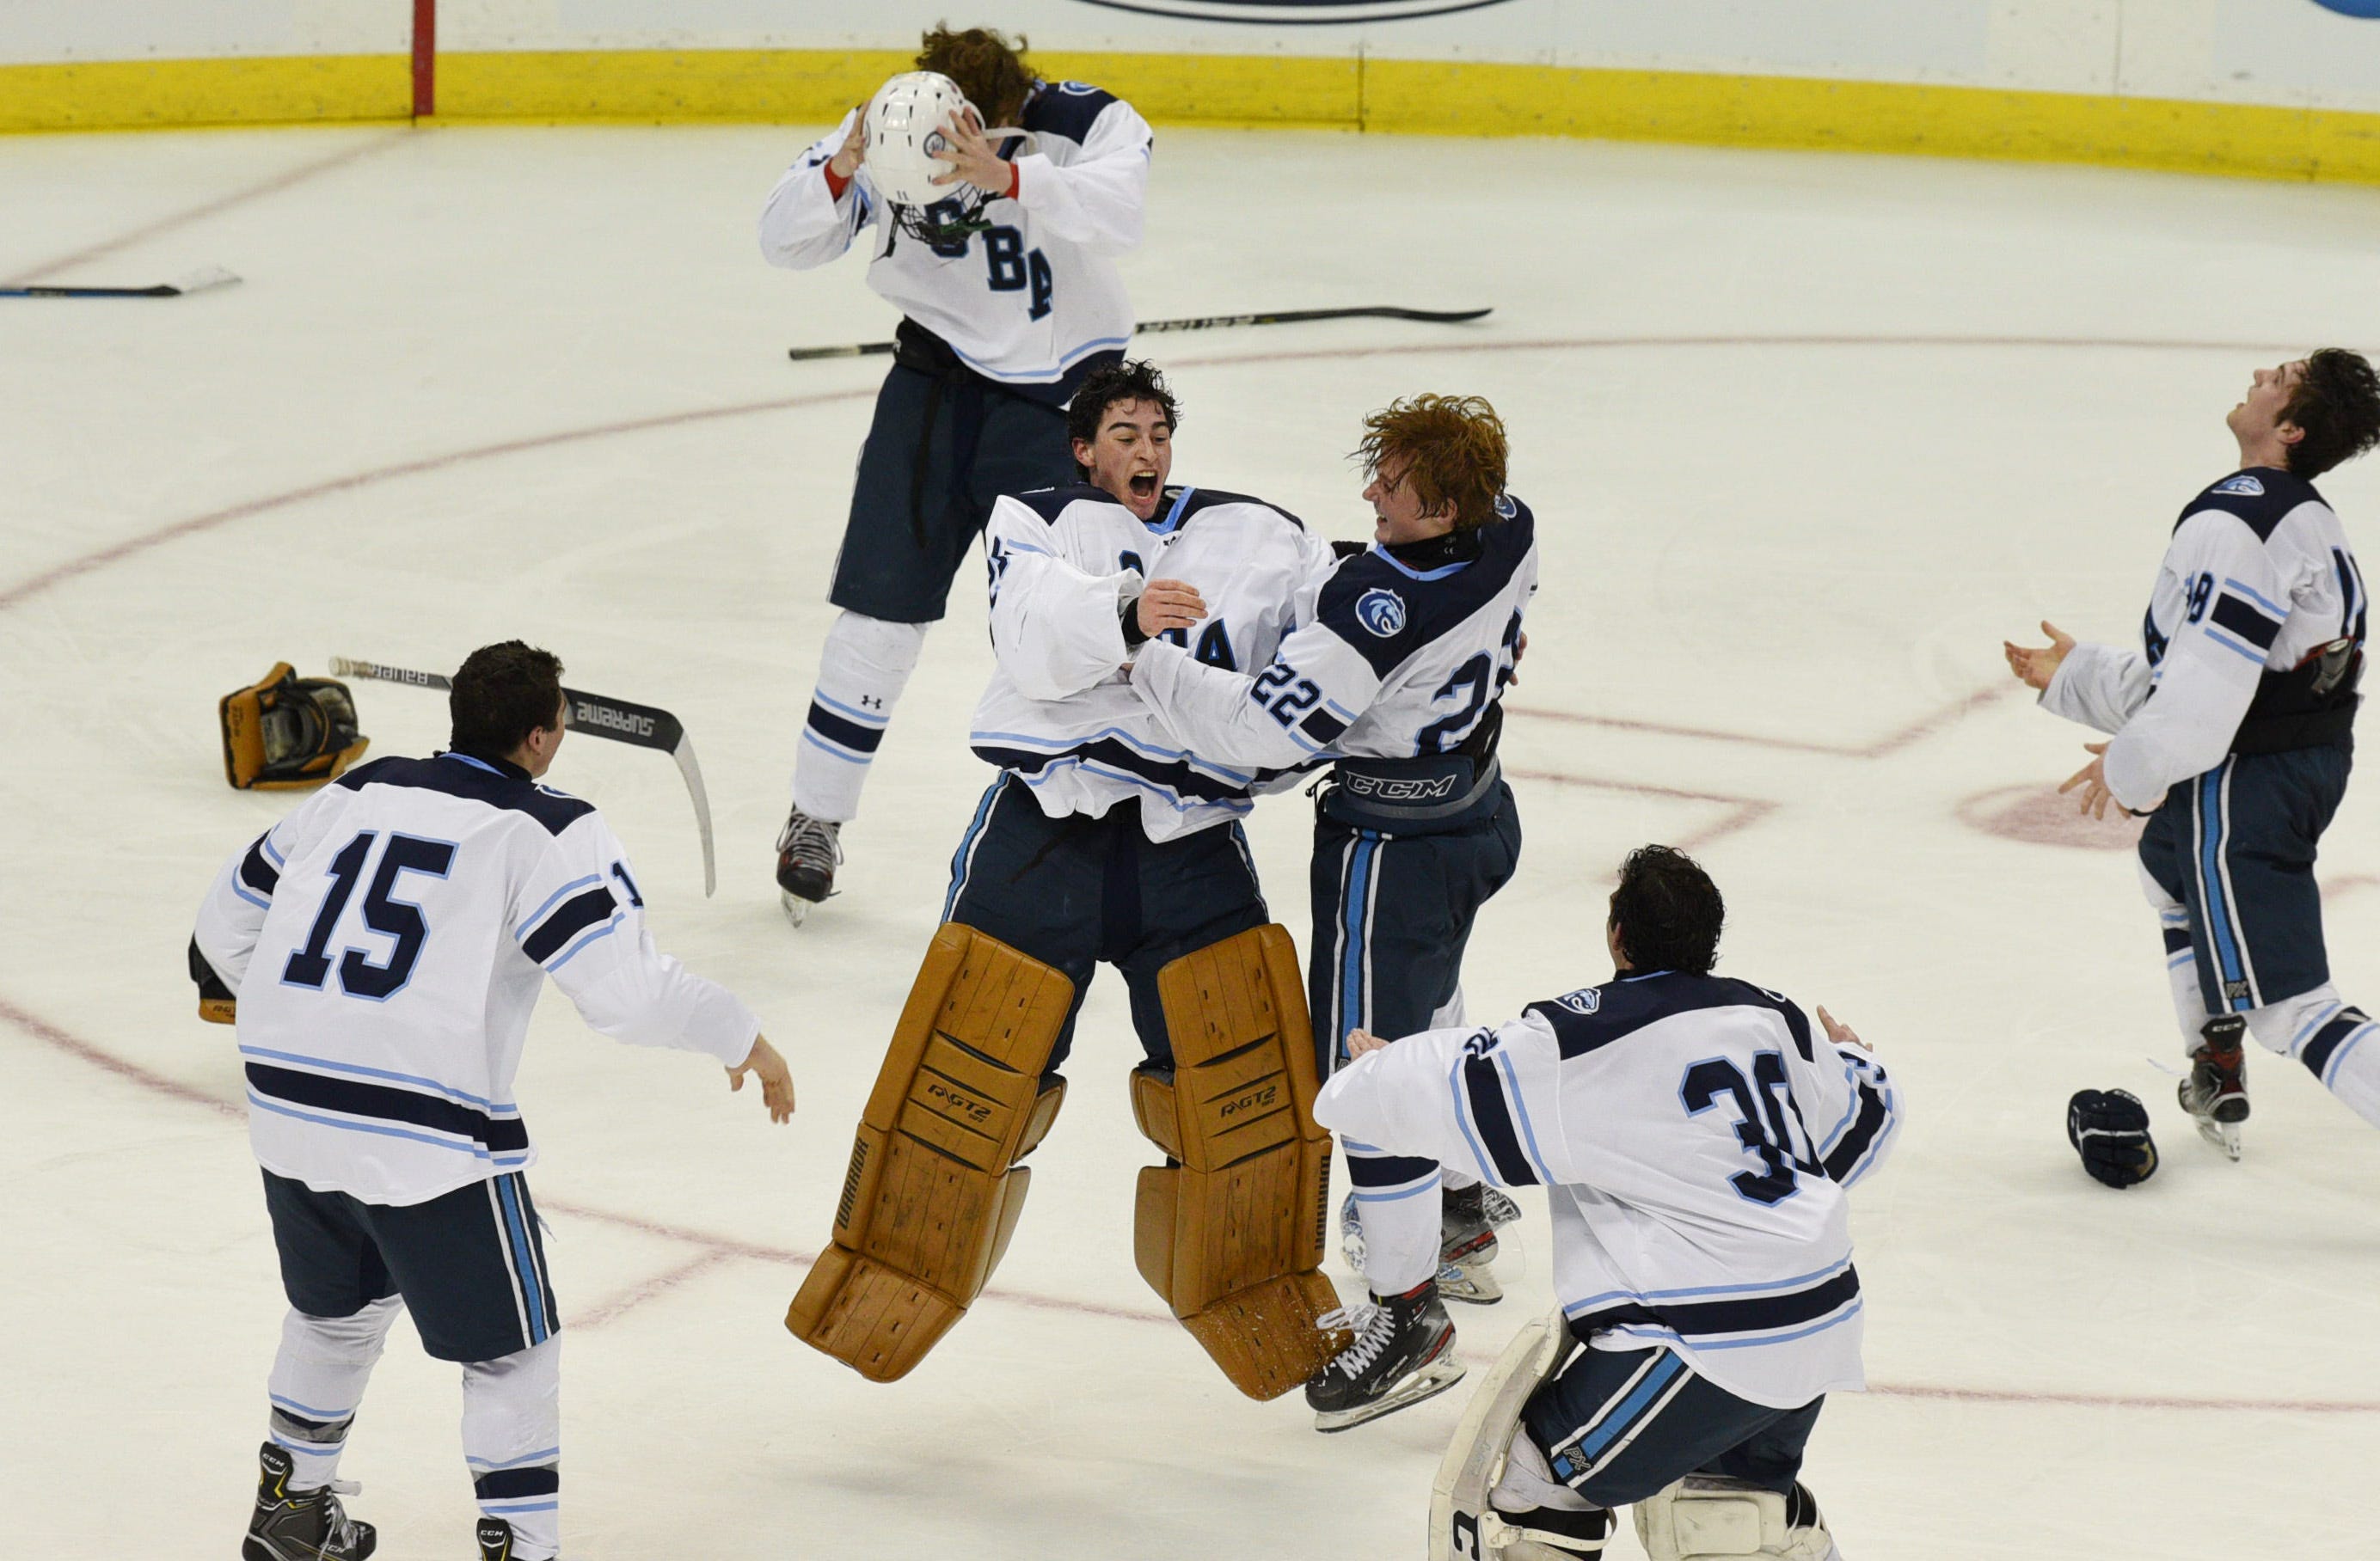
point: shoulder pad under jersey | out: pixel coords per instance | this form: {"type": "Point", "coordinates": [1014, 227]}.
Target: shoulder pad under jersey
{"type": "Point", "coordinates": [1594, 1017]}
{"type": "Point", "coordinates": [1065, 108]}
{"type": "Point", "coordinates": [2262, 496]}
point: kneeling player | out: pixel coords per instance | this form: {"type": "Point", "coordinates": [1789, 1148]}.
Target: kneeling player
{"type": "Point", "coordinates": [1695, 1140]}
{"type": "Point", "coordinates": [1397, 667]}
{"type": "Point", "coordinates": [1101, 842]}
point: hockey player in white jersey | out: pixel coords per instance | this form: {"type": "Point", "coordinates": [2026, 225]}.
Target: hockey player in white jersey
{"type": "Point", "coordinates": [1696, 1139]}
{"type": "Point", "coordinates": [991, 205]}
{"type": "Point", "coordinates": [385, 944]}
{"type": "Point", "coordinates": [1102, 842]}
{"type": "Point", "coordinates": [1396, 669]}
{"type": "Point", "coordinates": [2231, 729]}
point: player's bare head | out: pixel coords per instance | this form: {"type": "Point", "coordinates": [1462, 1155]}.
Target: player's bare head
{"type": "Point", "coordinates": [1121, 422]}
{"type": "Point", "coordinates": [503, 694]}
{"type": "Point", "coordinates": [1433, 463]}
{"type": "Point", "coordinates": [1667, 913]}
{"type": "Point", "coordinates": [989, 65]}
{"type": "Point", "coordinates": [2333, 401]}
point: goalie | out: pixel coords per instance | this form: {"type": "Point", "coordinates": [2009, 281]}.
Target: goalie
{"type": "Point", "coordinates": [1098, 843]}
{"type": "Point", "coordinates": [1696, 1139]}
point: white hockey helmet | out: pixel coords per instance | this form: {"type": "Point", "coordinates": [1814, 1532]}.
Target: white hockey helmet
{"type": "Point", "coordinates": [904, 129]}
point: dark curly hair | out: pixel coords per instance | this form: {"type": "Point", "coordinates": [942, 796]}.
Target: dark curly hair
{"type": "Point", "coordinates": [1450, 450]}
{"type": "Point", "coordinates": [1668, 911]}
{"type": "Point", "coordinates": [2337, 405]}
{"type": "Point", "coordinates": [501, 694]}
{"type": "Point", "coordinates": [987, 65]}
{"type": "Point", "coordinates": [1134, 378]}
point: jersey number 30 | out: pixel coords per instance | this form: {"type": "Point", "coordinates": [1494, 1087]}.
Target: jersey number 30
{"type": "Point", "coordinates": [1764, 1119]}
{"type": "Point", "coordinates": [383, 913]}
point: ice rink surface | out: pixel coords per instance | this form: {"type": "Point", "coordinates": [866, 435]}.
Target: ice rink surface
{"type": "Point", "coordinates": [1807, 436]}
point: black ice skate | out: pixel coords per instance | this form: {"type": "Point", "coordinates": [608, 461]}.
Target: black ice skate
{"type": "Point", "coordinates": [495, 1540]}
{"type": "Point", "coordinates": [1468, 1217]}
{"type": "Point", "coordinates": [808, 851]}
{"type": "Point", "coordinates": [301, 1525]}
{"type": "Point", "coordinates": [2215, 1094]}
{"type": "Point", "coordinates": [1404, 1354]}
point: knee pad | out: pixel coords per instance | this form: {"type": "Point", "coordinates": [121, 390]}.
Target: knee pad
{"type": "Point", "coordinates": [934, 1187]}
{"type": "Point", "coordinates": [1703, 1517]}
{"type": "Point", "coordinates": [2277, 1026]}
{"type": "Point", "coordinates": [1230, 1231]}
{"type": "Point", "coordinates": [878, 644]}
{"type": "Point", "coordinates": [1463, 1524]}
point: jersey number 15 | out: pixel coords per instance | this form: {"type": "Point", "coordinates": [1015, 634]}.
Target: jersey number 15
{"type": "Point", "coordinates": [383, 913]}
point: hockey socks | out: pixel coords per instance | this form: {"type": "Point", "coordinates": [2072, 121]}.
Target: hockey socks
{"type": "Point", "coordinates": [318, 1382]}
{"type": "Point", "coordinates": [1396, 1205]}
{"type": "Point", "coordinates": [2332, 1038]}
{"type": "Point", "coordinates": [512, 1443]}
{"type": "Point", "coordinates": [862, 670]}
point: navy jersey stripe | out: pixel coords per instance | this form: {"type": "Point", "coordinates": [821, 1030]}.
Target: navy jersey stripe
{"type": "Point", "coordinates": [2262, 497]}
{"type": "Point", "coordinates": [355, 1098]}
{"type": "Point", "coordinates": [1388, 634]}
{"type": "Point", "coordinates": [1065, 108]}
{"type": "Point", "coordinates": [499, 1484]}
{"type": "Point", "coordinates": [1622, 1008]}
{"type": "Point", "coordinates": [456, 777]}
{"type": "Point", "coordinates": [1173, 775]}
{"type": "Point", "coordinates": [573, 916]}
{"type": "Point", "coordinates": [2232, 613]}
{"type": "Point", "coordinates": [1855, 1142]}
{"type": "Point", "coordinates": [2317, 1053]}
{"type": "Point", "coordinates": [1483, 1086]}
{"type": "Point", "coordinates": [2176, 939]}
{"type": "Point", "coordinates": [257, 871]}
{"type": "Point", "coordinates": [1744, 1315]}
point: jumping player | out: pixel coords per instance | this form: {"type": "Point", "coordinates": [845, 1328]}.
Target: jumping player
{"type": "Point", "coordinates": [1009, 296]}
{"type": "Point", "coordinates": [1696, 1142]}
{"type": "Point", "coordinates": [385, 944]}
{"type": "Point", "coordinates": [2231, 729]}
{"type": "Point", "coordinates": [1397, 669]}
{"type": "Point", "coordinates": [1102, 842]}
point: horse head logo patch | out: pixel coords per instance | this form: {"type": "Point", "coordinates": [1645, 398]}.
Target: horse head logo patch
{"type": "Point", "coordinates": [1381, 610]}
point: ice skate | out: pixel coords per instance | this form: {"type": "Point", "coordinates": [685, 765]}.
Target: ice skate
{"type": "Point", "coordinates": [808, 851]}
{"type": "Point", "coordinates": [1404, 1354]}
{"type": "Point", "coordinates": [1468, 1217]}
{"type": "Point", "coordinates": [306, 1525]}
{"type": "Point", "coordinates": [2215, 1094]}
{"type": "Point", "coordinates": [495, 1537]}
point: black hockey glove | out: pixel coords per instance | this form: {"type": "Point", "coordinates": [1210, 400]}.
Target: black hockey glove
{"type": "Point", "coordinates": [215, 1003]}
{"type": "Point", "coordinates": [2110, 1130]}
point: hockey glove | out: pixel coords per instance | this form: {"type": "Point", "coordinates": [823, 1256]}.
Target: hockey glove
{"type": "Point", "coordinates": [2110, 1130]}
{"type": "Point", "coordinates": [216, 1004]}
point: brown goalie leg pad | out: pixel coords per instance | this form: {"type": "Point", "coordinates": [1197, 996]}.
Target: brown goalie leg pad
{"type": "Point", "coordinates": [1233, 1236]}
{"type": "Point", "coordinates": [933, 1190]}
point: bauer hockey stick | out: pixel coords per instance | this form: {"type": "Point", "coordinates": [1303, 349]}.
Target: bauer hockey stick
{"type": "Point", "coordinates": [1205, 322]}
{"type": "Point", "coordinates": [598, 715]}
{"type": "Point", "coordinates": [196, 282]}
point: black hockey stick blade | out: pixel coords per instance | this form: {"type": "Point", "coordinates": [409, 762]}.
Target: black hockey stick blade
{"type": "Point", "coordinates": [196, 282]}
{"type": "Point", "coordinates": [598, 715]}
{"type": "Point", "coordinates": [1208, 322]}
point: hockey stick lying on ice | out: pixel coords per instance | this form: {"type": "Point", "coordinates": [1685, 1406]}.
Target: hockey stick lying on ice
{"type": "Point", "coordinates": [1205, 322]}
{"type": "Point", "coordinates": [196, 282]}
{"type": "Point", "coordinates": [598, 715]}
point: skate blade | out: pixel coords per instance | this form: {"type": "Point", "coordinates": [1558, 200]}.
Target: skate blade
{"type": "Point", "coordinates": [1475, 1284]}
{"type": "Point", "coordinates": [796, 909]}
{"type": "Point", "coordinates": [2223, 1135]}
{"type": "Point", "coordinates": [1427, 1383]}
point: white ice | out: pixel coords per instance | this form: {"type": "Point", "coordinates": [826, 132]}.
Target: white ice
{"type": "Point", "coordinates": [1808, 435]}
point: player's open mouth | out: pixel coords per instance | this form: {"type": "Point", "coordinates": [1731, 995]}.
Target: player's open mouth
{"type": "Point", "coordinates": [1143, 485]}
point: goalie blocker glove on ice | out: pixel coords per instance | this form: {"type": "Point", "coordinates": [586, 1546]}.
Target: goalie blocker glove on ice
{"type": "Point", "coordinates": [2110, 1130]}
{"type": "Point", "coordinates": [283, 732]}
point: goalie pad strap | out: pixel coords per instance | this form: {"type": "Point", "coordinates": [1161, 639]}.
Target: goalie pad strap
{"type": "Point", "coordinates": [1461, 1522]}
{"type": "Point", "coordinates": [1229, 1231]}
{"type": "Point", "coordinates": [283, 732]}
{"type": "Point", "coordinates": [1705, 1518]}
{"type": "Point", "coordinates": [934, 1189]}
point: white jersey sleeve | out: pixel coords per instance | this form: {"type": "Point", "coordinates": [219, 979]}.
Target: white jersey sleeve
{"type": "Point", "coordinates": [2209, 669]}
{"type": "Point", "coordinates": [2098, 685]}
{"type": "Point", "coordinates": [578, 915]}
{"type": "Point", "coordinates": [231, 916]}
{"type": "Point", "coordinates": [804, 224]}
{"type": "Point", "coordinates": [1281, 715]}
{"type": "Point", "coordinates": [1420, 1096]}
{"type": "Point", "coordinates": [1094, 198]}
{"type": "Point", "coordinates": [1057, 625]}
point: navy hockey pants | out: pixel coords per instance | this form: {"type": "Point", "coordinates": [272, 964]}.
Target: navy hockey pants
{"type": "Point", "coordinates": [2236, 846]}
{"type": "Point", "coordinates": [1620, 1425]}
{"type": "Point", "coordinates": [941, 450]}
{"type": "Point", "coordinates": [1076, 892]}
